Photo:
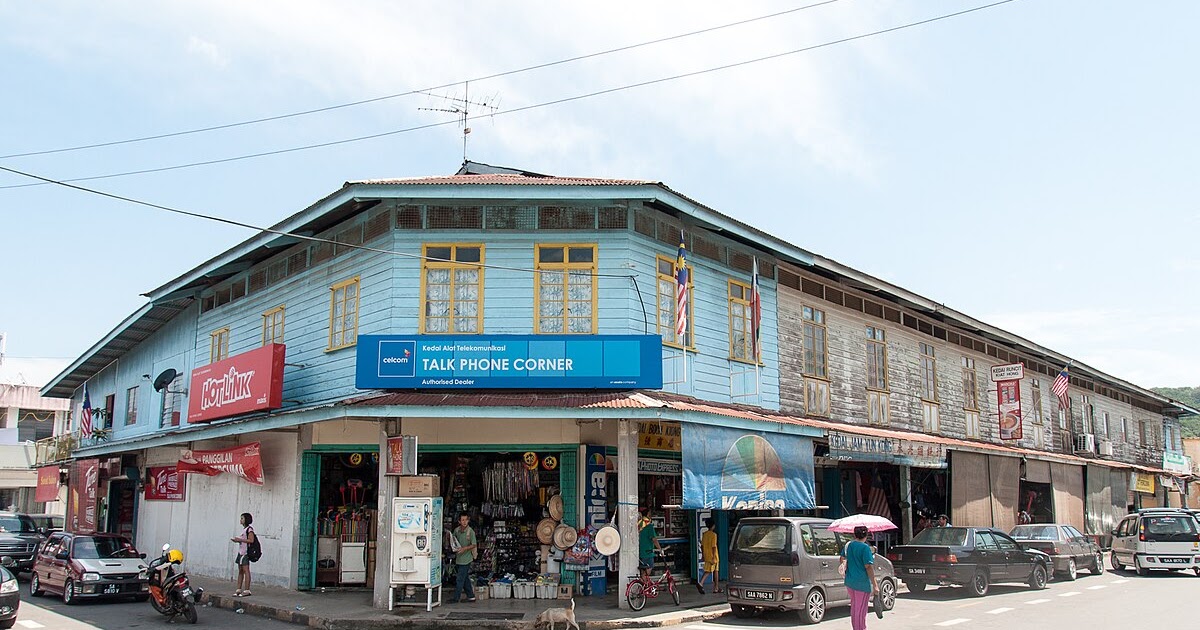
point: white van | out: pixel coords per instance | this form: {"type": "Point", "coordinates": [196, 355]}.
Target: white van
{"type": "Point", "coordinates": [1157, 538]}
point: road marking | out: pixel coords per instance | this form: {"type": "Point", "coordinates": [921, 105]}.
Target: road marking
{"type": "Point", "coordinates": [1119, 581]}
{"type": "Point", "coordinates": [1097, 587]}
{"type": "Point", "coordinates": [1069, 594]}
{"type": "Point", "coordinates": [1037, 601]}
{"type": "Point", "coordinates": [952, 622]}
{"type": "Point", "coordinates": [999, 610]}
{"type": "Point", "coordinates": [29, 623]}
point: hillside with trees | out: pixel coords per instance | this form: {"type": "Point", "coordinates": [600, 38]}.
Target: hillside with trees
{"type": "Point", "coordinates": [1189, 396]}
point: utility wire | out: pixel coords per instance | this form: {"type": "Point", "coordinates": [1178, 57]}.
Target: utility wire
{"type": "Point", "coordinates": [417, 91]}
{"type": "Point", "coordinates": [527, 107]}
{"type": "Point", "coordinates": [315, 239]}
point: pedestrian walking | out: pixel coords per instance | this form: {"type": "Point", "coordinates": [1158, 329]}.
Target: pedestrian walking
{"type": "Point", "coordinates": [710, 557]}
{"type": "Point", "coordinates": [242, 561]}
{"type": "Point", "coordinates": [467, 544]}
{"type": "Point", "coordinates": [859, 561]}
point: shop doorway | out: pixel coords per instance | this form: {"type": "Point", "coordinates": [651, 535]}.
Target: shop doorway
{"type": "Point", "coordinates": [506, 494]}
{"type": "Point", "coordinates": [339, 501]}
{"type": "Point", "coordinates": [930, 497]}
{"type": "Point", "coordinates": [1035, 503]}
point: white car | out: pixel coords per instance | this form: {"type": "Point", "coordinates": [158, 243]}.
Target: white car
{"type": "Point", "coordinates": [1157, 539]}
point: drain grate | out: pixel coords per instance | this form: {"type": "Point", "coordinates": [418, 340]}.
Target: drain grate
{"type": "Point", "coordinates": [486, 615]}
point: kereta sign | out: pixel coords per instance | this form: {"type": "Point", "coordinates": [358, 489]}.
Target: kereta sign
{"type": "Point", "coordinates": [251, 381]}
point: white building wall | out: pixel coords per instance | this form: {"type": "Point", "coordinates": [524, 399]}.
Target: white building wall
{"type": "Point", "coordinates": [202, 525]}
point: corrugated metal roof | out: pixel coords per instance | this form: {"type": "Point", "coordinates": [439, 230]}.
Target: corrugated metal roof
{"type": "Point", "coordinates": [503, 179]}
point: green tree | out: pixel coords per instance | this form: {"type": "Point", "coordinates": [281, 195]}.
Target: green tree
{"type": "Point", "coordinates": [1189, 396]}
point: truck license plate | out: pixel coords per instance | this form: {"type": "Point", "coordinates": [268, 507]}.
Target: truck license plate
{"type": "Point", "coordinates": [764, 595]}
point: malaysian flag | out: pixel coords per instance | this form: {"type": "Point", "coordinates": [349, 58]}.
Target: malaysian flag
{"type": "Point", "coordinates": [85, 418]}
{"type": "Point", "coordinates": [681, 293]}
{"type": "Point", "coordinates": [1061, 383]}
{"type": "Point", "coordinates": [755, 315]}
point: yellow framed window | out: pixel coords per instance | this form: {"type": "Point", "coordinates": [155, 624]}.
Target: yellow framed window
{"type": "Point", "coordinates": [877, 366]}
{"type": "Point", "coordinates": [452, 289]}
{"type": "Point", "coordinates": [565, 299]}
{"type": "Point", "coordinates": [741, 340]}
{"type": "Point", "coordinates": [272, 325]}
{"type": "Point", "coordinates": [668, 304]}
{"type": "Point", "coordinates": [343, 314]}
{"type": "Point", "coordinates": [218, 345]}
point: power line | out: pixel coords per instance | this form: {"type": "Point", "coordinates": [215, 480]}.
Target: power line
{"type": "Point", "coordinates": [425, 91]}
{"type": "Point", "coordinates": [545, 104]}
{"type": "Point", "coordinates": [305, 237]}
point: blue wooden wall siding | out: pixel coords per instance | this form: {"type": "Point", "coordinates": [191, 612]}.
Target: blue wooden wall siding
{"type": "Point", "coordinates": [390, 303]}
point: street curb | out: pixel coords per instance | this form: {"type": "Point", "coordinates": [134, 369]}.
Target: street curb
{"type": "Point", "coordinates": [249, 607]}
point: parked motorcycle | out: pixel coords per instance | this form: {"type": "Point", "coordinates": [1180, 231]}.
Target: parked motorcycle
{"type": "Point", "coordinates": [171, 592]}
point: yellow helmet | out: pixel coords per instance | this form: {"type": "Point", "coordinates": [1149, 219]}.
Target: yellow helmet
{"type": "Point", "coordinates": [175, 555]}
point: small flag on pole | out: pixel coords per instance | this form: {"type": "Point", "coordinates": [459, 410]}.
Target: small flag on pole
{"type": "Point", "coordinates": [681, 293]}
{"type": "Point", "coordinates": [755, 315]}
{"type": "Point", "coordinates": [1061, 384]}
{"type": "Point", "coordinates": [85, 418]}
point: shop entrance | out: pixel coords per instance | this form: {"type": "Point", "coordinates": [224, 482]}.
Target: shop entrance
{"type": "Point", "coordinates": [339, 505]}
{"type": "Point", "coordinates": [1036, 503]}
{"type": "Point", "coordinates": [930, 497]}
{"type": "Point", "coordinates": [507, 494]}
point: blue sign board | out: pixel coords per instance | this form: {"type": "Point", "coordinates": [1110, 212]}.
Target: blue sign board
{"type": "Point", "coordinates": [509, 362]}
{"type": "Point", "coordinates": [737, 469]}
{"type": "Point", "coordinates": [595, 510]}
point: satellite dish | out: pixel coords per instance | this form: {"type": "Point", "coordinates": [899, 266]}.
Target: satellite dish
{"type": "Point", "coordinates": [164, 379]}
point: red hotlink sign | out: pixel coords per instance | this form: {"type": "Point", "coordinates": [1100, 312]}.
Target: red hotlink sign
{"type": "Point", "coordinates": [251, 381]}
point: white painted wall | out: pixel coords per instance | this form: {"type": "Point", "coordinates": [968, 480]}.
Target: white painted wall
{"type": "Point", "coordinates": [202, 525]}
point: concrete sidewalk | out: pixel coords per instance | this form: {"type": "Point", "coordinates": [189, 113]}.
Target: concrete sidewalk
{"type": "Point", "coordinates": [336, 609]}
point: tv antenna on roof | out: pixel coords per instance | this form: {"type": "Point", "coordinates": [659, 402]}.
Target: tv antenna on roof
{"type": "Point", "coordinates": [459, 107]}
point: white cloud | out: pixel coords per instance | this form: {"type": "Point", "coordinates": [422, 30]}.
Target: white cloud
{"type": "Point", "coordinates": [207, 50]}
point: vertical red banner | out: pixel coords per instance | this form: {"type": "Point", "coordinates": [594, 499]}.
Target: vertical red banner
{"type": "Point", "coordinates": [1008, 394]}
{"type": "Point", "coordinates": [82, 494]}
{"type": "Point", "coordinates": [47, 484]}
{"type": "Point", "coordinates": [164, 483]}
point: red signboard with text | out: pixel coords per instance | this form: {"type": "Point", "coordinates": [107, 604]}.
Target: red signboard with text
{"type": "Point", "coordinates": [165, 483]}
{"type": "Point", "coordinates": [243, 461]}
{"type": "Point", "coordinates": [47, 484]}
{"type": "Point", "coordinates": [251, 381]}
{"type": "Point", "coordinates": [1008, 397]}
{"type": "Point", "coordinates": [82, 491]}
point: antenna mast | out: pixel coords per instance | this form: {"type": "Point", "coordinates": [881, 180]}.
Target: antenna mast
{"type": "Point", "coordinates": [459, 107]}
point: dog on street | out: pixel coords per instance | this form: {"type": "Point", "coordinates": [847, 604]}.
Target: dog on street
{"type": "Point", "coordinates": [551, 616]}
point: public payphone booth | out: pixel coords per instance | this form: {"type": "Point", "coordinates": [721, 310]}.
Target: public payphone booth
{"type": "Point", "coordinates": [416, 562]}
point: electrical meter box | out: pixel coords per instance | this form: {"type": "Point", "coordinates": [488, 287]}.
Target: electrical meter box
{"type": "Point", "coordinates": [416, 541]}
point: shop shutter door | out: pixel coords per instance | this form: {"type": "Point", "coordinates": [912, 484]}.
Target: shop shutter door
{"type": "Point", "coordinates": [306, 565]}
{"type": "Point", "coordinates": [1068, 494]}
{"type": "Point", "coordinates": [569, 483]}
{"type": "Point", "coordinates": [970, 494]}
{"type": "Point", "coordinates": [1037, 471]}
{"type": "Point", "coordinates": [1005, 474]}
{"type": "Point", "coordinates": [1100, 516]}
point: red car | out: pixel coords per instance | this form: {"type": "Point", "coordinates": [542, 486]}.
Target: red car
{"type": "Point", "coordinates": [89, 566]}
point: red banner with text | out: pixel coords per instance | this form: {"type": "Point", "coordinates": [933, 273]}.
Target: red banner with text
{"type": "Point", "coordinates": [165, 483]}
{"type": "Point", "coordinates": [47, 484]}
{"type": "Point", "coordinates": [82, 491]}
{"type": "Point", "coordinates": [243, 461]}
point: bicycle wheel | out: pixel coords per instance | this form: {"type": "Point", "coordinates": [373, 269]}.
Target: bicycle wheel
{"type": "Point", "coordinates": [674, 590]}
{"type": "Point", "coordinates": [635, 594]}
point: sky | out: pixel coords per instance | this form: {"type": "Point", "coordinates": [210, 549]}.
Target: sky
{"type": "Point", "coordinates": [1030, 164]}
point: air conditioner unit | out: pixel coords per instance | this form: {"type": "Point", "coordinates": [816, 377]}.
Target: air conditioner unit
{"type": "Point", "coordinates": [1085, 443]}
{"type": "Point", "coordinates": [1106, 448]}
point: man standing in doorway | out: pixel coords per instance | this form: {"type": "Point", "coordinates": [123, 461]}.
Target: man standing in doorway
{"type": "Point", "coordinates": [467, 544]}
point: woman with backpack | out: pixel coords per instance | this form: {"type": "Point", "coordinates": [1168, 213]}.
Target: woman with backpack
{"type": "Point", "coordinates": [246, 542]}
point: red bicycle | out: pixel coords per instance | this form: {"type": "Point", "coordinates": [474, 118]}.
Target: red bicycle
{"type": "Point", "coordinates": [642, 588]}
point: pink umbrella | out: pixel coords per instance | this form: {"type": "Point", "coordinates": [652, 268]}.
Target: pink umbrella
{"type": "Point", "coordinates": [870, 521]}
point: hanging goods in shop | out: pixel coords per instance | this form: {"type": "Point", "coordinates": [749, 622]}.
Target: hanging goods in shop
{"type": "Point", "coordinates": [555, 506]}
{"type": "Point", "coordinates": [549, 462]}
{"type": "Point", "coordinates": [509, 482]}
{"type": "Point", "coordinates": [545, 531]}
{"type": "Point", "coordinates": [565, 537]}
{"type": "Point", "coordinates": [531, 460]}
{"type": "Point", "coordinates": [607, 540]}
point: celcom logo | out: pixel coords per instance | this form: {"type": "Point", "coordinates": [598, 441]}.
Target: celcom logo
{"type": "Point", "coordinates": [396, 358]}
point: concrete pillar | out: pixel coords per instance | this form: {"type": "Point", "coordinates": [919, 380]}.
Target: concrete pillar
{"type": "Point", "coordinates": [388, 488]}
{"type": "Point", "coordinates": [906, 532]}
{"type": "Point", "coordinates": [627, 503]}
